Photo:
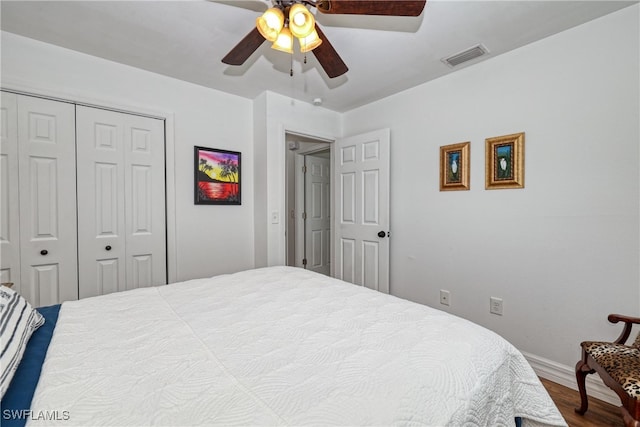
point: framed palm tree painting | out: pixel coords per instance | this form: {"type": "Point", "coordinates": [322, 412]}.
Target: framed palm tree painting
{"type": "Point", "coordinates": [217, 176]}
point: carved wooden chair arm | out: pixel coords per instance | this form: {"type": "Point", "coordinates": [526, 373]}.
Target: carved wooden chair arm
{"type": "Point", "coordinates": [629, 321]}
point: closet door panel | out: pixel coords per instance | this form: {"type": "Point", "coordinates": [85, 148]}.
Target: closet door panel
{"type": "Point", "coordinates": [47, 181]}
{"type": "Point", "coordinates": [44, 284]}
{"type": "Point", "coordinates": [121, 201]}
{"type": "Point", "coordinates": [9, 201]}
{"type": "Point", "coordinates": [101, 202]}
{"type": "Point", "coordinates": [145, 196]}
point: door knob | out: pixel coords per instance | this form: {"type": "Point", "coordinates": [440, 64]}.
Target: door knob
{"type": "Point", "coordinates": [44, 252]}
{"type": "Point", "coordinates": [381, 234]}
{"type": "Point", "coordinates": [108, 247]}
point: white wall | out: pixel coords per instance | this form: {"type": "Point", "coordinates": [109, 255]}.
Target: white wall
{"type": "Point", "coordinates": [261, 171]}
{"type": "Point", "coordinates": [563, 252]}
{"type": "Point", "coordinates": [208, 240]}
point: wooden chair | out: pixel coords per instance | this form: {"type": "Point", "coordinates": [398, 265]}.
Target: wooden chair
{"type": "Point", "coordinates": [619, 367]}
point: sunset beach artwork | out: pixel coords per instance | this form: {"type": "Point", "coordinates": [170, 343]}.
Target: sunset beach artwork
{"type": "Point", "coordinates": [217, 176]}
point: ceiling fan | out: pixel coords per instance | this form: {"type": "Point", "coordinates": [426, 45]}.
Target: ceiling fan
{"type": "Point", "coordinates": [292, 18]}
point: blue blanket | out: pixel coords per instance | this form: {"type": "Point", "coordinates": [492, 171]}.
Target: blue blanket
{"type": "Point", "coordinates": [17, 399]}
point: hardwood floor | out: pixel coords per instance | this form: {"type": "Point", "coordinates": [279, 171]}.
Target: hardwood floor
{"type": "Point", "coordinates": [599, 414]}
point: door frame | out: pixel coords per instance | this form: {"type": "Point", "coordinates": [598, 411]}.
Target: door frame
{"type": "Point", "coordinates": [319, 139]}
{"type": "Point", "coordinates": [169, 149]}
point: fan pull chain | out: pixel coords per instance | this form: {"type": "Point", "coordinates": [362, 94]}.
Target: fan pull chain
{"type": "Point", "coordinates": [291, 69]}
{"type": "Point", "coordinates": [305, 50]}
{"type": "Point", "coordinates": [292, 80]}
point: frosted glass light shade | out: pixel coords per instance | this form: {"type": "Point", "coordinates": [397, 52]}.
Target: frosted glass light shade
{"type": "Point", "coordinates": [270, 23]}
{"type": "Point", "coordinates": [301, 21]}
{"type": "Point", "coordinates": [284, 42]}
{"type": "Point", "coordinates": [310, 42]}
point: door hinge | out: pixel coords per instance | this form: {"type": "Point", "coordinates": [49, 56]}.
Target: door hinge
{"type": "Point", "coordinates": [304, 262]}
{"type": "Point", "coordinates": [304, 215]}
{"type": "Point", "coordinates": [304, 169]}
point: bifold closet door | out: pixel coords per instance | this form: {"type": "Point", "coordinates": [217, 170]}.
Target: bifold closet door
{"type": "Point", "coordinates": [121, 201]}
{"type": "Point", "coordinates": [39, 198]}
{"type": "Point", "coordinates": [9, 201]}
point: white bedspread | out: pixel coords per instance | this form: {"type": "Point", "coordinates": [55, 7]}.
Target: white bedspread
{"type": "Point", "coordinates": [280, 346]}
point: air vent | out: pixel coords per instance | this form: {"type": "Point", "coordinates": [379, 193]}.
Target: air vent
{"type": "Point", "coordinates": [464, 56]}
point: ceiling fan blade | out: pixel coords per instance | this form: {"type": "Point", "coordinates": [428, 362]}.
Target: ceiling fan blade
{"type": "Point", "coordinates": [255, 5]}
{"type": "Point", "coordinates": [243, 50]}
{"type": "Point", "coordinates": [328, 57]}
{"type": "Point", "coordinates": [372, 7]}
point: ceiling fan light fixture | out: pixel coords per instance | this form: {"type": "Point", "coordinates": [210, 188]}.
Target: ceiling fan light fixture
{"type": "Point", "coordinates": [270, 23]}
{"type": "Point", "coordinates": [301, 21]}
{"type": "Point", "coordinates": [312, 41]}
{"type": "Point", "coordinates": [284, 42]}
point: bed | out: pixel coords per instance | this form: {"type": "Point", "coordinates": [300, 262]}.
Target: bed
{"type": "Point", "coordinates": [278, 346]}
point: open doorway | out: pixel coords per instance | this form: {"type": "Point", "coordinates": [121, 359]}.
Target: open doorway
{"type": "Point", "coordinates": [308, 203]}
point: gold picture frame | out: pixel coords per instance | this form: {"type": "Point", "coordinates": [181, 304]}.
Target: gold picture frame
{"type": "Point", "coordinates": [504, 161]}
{"type": "Point", "coordinates": [454, 167]}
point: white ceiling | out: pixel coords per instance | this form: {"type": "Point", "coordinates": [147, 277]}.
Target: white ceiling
{"type": "Point", "coordinates": [385, 55]}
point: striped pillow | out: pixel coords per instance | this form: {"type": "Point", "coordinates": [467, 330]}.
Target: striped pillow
{"type": "Point", "coordinates": [18, 320]}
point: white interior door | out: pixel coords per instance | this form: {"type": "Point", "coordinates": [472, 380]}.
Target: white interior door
{"type": "Point", "coordinates": [47, 181]}
{"type": "Point", "coordinates": [9, 201]}
{"type": "Point", "coordinates": [318, 209]}
{"type": "Point", "coordinates": [362, 209]}
{"type": "Point", "coordinates": [121, 201]}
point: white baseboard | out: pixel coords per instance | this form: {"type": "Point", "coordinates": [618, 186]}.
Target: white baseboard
{"type": "Point", "coordinates": [566, 376]}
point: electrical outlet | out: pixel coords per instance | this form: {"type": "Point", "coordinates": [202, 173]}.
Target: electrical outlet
{"type": "Point", "coordinates": [495, 306]}
{"type": "Point", "coordinates": [444, 297]}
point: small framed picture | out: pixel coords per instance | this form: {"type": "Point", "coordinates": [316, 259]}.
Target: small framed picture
{"type": "Point", "coordinates": [217, 177]}
{"type": "Point", "coordinates": [504, 158]}
{"type": "Point", "coordinates": [454, 167]}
